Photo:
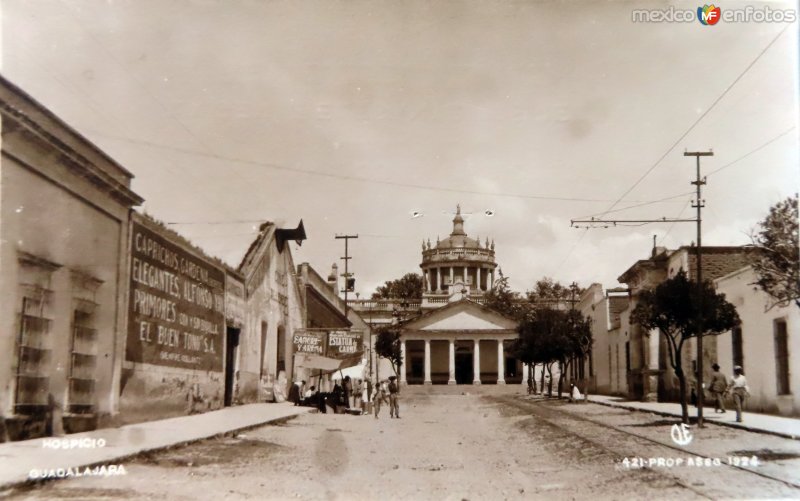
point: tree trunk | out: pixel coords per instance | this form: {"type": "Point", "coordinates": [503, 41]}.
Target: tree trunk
{"type": "Point", "coordinates": [682, 385]}
{"type": "Point", "coordinates": [562, 368]}
{"type": "Point", "coordinates": [550, 380]}
{"type": "Point", "coordinates": [542, 377]}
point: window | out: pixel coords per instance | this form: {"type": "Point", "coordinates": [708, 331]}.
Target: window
{"type": "Point", "coordinates": [83, 362]}
{"type": "Point", "coordinates": [33, 379]}
{"type": "Point", "coordinates": [736, 341]}
{"type": "Point", "coordinates": [781, 357]}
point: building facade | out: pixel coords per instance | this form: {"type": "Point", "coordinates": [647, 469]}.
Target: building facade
{"type": "Point", "coordinates": [763, 345]}
{"type": "Point", "coordinates": [64, 227]}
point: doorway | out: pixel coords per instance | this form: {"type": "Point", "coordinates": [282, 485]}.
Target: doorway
{"type": "Point", "coordinates": [464, 368]}
{"type": "Point", "coordinates": [231, 343]}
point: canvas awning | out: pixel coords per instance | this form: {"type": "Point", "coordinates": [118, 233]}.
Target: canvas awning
{"type": "Point", "coordinates": [313, 361]}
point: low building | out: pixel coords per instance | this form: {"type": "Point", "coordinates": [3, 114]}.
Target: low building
{"type": "Point", "coordinates": [178, 353]}
{"type": "Point", "coordinates": [649, 375]}
{"type": "Point", "coordinates": [762, 345]}
{"type": "Point", "coordinates": [273, 310]}
{"type": "Point", "coordinates": [64, 227]}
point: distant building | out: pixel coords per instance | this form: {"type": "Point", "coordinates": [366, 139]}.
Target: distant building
{"type": "Point", "coordinates": [638, 359]}
{"type": "Point", "coordinates": [449, 337]}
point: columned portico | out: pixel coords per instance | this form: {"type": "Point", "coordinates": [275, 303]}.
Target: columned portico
{"type": "Point", "coordinates": [476, 371]}
{"type": "Point", "coordinates": [451, 379]}
{"type": "Point", "coordinates": [428, 362]}
{"type": "Point", "coordinates": [501, 370]}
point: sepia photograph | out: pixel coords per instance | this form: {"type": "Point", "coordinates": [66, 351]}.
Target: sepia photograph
{"type": "Point", "coordinates": [399, 250]}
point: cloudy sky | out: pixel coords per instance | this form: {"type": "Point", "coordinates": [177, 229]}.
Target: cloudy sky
{"type": "Point", "coordinates": [352, 115]}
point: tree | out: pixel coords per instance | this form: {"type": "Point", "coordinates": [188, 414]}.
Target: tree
{"type": "Point", "coordinates": [505, 301]}
{"type": "Point", "coordinates": [775, 255]}
{"type": "Point", "coordinates": [407, 288]}
{"type": "Point", "coordinates": [387, 345]}
{"type": "Point", "coordinates": [548, 336]}
{"type": "Point", "coordinates": [672, 308]}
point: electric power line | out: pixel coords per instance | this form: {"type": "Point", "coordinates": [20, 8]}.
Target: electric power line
{"type": "Point", "coordinates": [699, 119]}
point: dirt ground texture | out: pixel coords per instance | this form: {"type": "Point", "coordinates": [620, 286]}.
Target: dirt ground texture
{"type": "Point", "coordinates": [452, 446]}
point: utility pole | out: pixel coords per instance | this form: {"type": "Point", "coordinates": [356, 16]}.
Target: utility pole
{"type": "Point", "coordinates": [346, 273]}
{"type": "Point", "coordinates": [699, 204]}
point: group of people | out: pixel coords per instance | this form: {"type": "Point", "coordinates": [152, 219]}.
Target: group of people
{"type": "Point", "coordinates": [720, 387]}
{"type": "Point", "coordinates": [349, 394]}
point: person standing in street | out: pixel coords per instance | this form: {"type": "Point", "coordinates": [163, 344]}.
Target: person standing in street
{"type": "Point", "coordinates": [718, 386]}
{"type": "Point", "coordinates": [348, 390]}
{"type": "Point", "coordinates": [357, 394]}
{"type": "Point", "coordinates": [378, 397]}
{"type": "Point", "coordinates": [738, 387]}
{"type": "Point", "coordinates": [394, 407]}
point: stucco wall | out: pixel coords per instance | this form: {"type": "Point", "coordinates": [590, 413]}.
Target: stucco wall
{"type": "Point", "coordinates": [758, 344]}
{"type": "Point", "coordinates": [51, 213]}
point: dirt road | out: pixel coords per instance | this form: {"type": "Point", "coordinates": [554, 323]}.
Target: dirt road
{"type": "Point", "coordinates": [447, 446]}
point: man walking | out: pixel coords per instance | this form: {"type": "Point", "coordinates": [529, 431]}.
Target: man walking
{"type": "Point", "coordinates": [394, 407]}
{"type": "Point", "coordinates": [718, 386]}
{"type": "Point", "coordinates": [378, 397]}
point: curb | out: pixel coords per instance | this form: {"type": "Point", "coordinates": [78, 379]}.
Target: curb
{"type": "Point", "coordinates": [9, 487]}
{"type": "Point", "coordinates": [718, 423]}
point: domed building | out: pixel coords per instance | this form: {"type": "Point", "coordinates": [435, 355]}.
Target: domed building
{"type": "Point", "coordinates": [455, 339]}
{"type": "Point", "coordinates": [450, 337]}
{"type": "Point", "coordinates": [456, 266]}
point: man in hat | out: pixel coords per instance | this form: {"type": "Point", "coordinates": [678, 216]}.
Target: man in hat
{"type": "Point", "coordinates": [718, 386]}
{"type": "Point", "coordinates": [394, 408]}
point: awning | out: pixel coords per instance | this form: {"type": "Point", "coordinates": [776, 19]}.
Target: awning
{"type": "Point", "coordinates": [313, 361]}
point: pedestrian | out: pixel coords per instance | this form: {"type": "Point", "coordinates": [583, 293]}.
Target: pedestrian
{"type": "Point", "coordinates": [379, 396]}
{"type": "Point", "coordinates": [294, 393]}
{"type": "Point", "coordinates": [738, 386]}
{"type": "Point", "coordinates": [718, 387]}
{"type": "Point", "coordinates": [394, 404]}
{"type": "Point", "coordinates": [347, 386]}
{"type": "Point", "coordinates": [364, 396]}
{"type": "Point", "coordinates": [357, 395]}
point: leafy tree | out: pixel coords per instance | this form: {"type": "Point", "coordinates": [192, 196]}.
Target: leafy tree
{"type": "Point", "coordinates": [547, 291]}
{"type": "Point", "coordinates": [672, 308]}
{"type": "Point", "coordinates": [387, 345]}
{"type": "Point", "coordinates": [505, 301]}
{"type": "Point", "coordinates": [548, 336]}
{"type": "Point", "coordinates": [408, 288]}
{"type": "Point", "coordinates": [775, 255]}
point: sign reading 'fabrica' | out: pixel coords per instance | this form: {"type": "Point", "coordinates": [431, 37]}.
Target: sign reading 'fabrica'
{"type": "Point", "coordinates": [176, 307]}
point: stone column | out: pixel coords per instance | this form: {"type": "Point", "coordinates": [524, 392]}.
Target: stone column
{"type": "Point", "coordinates": [438, 279]}
{"type": "Point", "coordinates": [524, 374]}
{"type": "Point", "coordinates": [490, 278]}
{"type": "Point", "coordinates": [478, 278]}
{"type": "Point", "coordinates": [403, 362]}
{"type": "Point", "coordinates": [476, 363]}
{"type": "Point", "coordinates": [427, 362]}
{"type": "Point", "coordinates": [501, 362]}
{"type": "Point", "coordinates": [452, 377]}
{"type": "Point", "coordinates": [465, 275]}
{"type": "Point", "coordinates": [451, 274]}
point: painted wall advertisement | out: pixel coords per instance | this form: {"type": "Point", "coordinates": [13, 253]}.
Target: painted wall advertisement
{"type": "Point", "coordinates": [177, 305]}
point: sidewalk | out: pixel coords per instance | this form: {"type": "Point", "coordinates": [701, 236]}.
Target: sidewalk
{"type": "Point", "coordinates": [761, 423]}
{"type": "Point", "coordinates": [17, 459]}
